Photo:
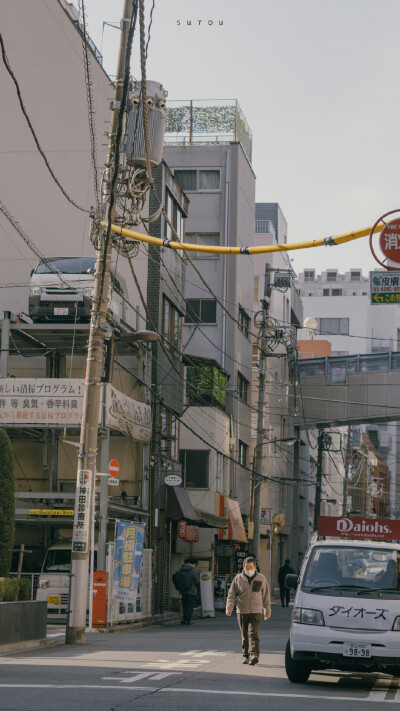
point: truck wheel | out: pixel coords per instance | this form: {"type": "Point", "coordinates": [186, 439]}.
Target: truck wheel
{"type": "Point", "coordinates": [297, 672]}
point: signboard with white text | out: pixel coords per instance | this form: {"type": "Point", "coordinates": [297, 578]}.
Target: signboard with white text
{"type": "Point", "coordinates": [378, 529]}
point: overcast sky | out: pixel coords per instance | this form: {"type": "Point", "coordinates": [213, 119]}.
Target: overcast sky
{"type": "Point", "coordinates": [318, 81]}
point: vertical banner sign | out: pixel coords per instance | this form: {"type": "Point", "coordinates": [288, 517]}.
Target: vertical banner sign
{"type": "Point", "coordinates": [80, 536]}
{"type": "Point", "coordinates": [127, 560]}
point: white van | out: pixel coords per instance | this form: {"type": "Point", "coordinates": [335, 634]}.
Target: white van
{"type": "Point", "coordinates": [346, 612]}
{"type": "Point", "coordinates": [51, 299]}
{"type": "Point", "coordinates": [54, 581]}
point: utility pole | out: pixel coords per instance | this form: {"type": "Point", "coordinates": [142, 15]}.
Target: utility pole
{"type": "Point", "coordinates": [347, 469]}
{"type": "Point", "coordinates": [258, 451]}
{"type": "Point", "coordinates": [87, 451]}
{"type": "Point", "coordinates": [318, 486]}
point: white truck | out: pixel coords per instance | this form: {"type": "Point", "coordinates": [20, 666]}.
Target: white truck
{"type": "Point", "coordinates": [54, 581]}
{"type": "Point", "coordinates": [346, 613]}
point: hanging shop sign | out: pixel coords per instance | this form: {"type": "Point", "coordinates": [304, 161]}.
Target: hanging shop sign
{"type": "Point", "coordinates": [80, 534]}
{"type": "Point", "coordinates": [128, 554]}
{"type": "Point", "coordinates": [190, 534]}
{"type": "Point", "coordinates": [129, 416]}
{"type": "Point", "coordinates": [173, 480]}
{"type": "Point", "coordinates": [385, 287]}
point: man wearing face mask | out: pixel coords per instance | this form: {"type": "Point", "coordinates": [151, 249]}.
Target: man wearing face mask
{"type": "Point", "coordinates": [249, 591]}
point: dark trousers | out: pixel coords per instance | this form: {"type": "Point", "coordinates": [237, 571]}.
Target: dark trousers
{"type": "Point", "coordinates": [250, 628]}
{"type": "Point", "coordinates": [188, 603]}
{"type": "Point", "coordinates": [285, 595]}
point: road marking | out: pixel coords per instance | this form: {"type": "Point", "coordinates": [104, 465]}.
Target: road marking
{"type": "Point", "coordinates": [142, 675]}
{"type": "Point", "coordinates": [183, 664]}
{"type": "Point", "coordinates": [198, 653]}
{"type": "Point", "coordinates": [315, 697]}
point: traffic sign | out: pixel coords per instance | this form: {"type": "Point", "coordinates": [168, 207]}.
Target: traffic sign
{"type": "Point", "coordinates": [113, 468]}
{"type": "Point", "coordinates": [389, 240]}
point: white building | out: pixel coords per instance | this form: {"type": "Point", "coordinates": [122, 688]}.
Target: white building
{"type": "Point", "coordinates": [340, 302]}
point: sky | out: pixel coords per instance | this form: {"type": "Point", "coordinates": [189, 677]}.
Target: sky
{"type": "Point", "coordinates": [318, 82]}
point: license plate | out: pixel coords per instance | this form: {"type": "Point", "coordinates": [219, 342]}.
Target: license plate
{"type": "Point", "coordinates": [357, 651]}
{"type": "Point", "coordinates": [53, 599]}
{"type": "Point", "coordinates": [60, 312]}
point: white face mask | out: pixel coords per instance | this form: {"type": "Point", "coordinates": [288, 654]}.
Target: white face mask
{"type": "Point", "coordinates": [250, 573]}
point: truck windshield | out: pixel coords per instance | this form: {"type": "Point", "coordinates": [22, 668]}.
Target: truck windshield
{"type": "Point", "coordinates": [67, 265]}
{"type": "Point", "coordinates": [357, 568]}
{"type": "Point", "coordinates": [57, 561]}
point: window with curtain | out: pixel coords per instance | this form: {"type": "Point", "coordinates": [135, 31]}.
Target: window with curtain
{"type": "Point", "coordinates": [209, 179]}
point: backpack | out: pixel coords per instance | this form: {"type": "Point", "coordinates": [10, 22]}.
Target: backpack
{"type": "Point", "coordinates": [183, 580]}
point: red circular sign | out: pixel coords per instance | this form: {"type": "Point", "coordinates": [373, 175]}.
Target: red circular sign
{"type": "Point", "coordinates": [113, 468]}
{"type": "Point", "coordinates": [389, 240]}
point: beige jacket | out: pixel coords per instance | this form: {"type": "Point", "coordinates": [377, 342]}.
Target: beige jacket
{"type": "Point", "coordinates": [249, 597]}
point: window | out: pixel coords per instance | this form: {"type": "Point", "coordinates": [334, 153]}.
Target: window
{"type": "Point", "coordinates": [334, 326]}
{"type": "Point", "coordinates": [243, 387]}
{"type": "Point", "coordinates": [195, 467]}
{"type": "Point", "coordinates": [208, 239]}
{"type": "Point", "coordinates": [243, 449]}
{"type": "Point", "coordinates": [186, 179]}
{"type": "Point", "coordinates": [256, 284]}
{"type": "Point", "coordinates": [309, 275]}
{"type": "Point", "coordinates": [337, 292]}
{"type": "Point", "coordinates": [325, 292]}
{"type": "Point", "coordinates": [244, 321]}
{"type": "Point", "coordinates": [331, 276]}
{"type": "Point", "coordinates": [175, 216]}
{"type": "Point", "coordinates": [171, 325]}
{"type": "Point", "coordinates": [355, 276]}
{"type": "Point", "coordinates": [201, 311]}
{"type": "Point", "coordinates": [203, 179]}
{"type": "Point", "coordinates": [209, 179]}
{"type": "Point", "coordinates": [206, 384]}
{"type": "Point", "coordinates": [168, 433]}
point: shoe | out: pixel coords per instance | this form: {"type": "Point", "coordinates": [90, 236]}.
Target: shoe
{"type": "Point", "coordinates": [183, 622]}
{"type": "Point", "coordinates": [245, 660]}
{"type": "Point", "coordinates": [253, 661]}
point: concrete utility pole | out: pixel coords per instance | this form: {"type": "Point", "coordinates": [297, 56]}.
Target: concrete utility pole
{"type": "Point", "coordinates": [347, 468]}
{"type": "Point", "coordinates": [258, 451]}
{"type": "Point", "coordinates": [87, 452]}
{"type": "Point", "coordinates": [318, 486]}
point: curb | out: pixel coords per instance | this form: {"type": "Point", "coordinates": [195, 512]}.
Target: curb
{"type": "Point", "coordinates": [27, 644]}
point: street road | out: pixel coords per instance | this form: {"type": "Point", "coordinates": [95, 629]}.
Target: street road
{"type": "Point", "coordinates": [172, 667]}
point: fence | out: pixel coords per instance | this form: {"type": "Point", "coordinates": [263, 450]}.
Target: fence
{"type": "Point", "coordinates": [336, 368]}
{"type": "Point", "coordinates": [34, 578]}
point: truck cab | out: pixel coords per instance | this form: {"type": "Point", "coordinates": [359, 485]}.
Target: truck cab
{"type": "Point", "coordinates": [61, 289]}
{"type": "Point", "coordinates": [346, 613]}
{"type": "Point", "coordinates": [54, 581]}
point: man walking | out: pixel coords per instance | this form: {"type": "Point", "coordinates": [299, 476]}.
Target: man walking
{"type": "Point", "coordinates": [187, 582]}
{"type": "Point", "coordinates": [283, 571]}
{"type": "Point", "coordinates": [249, 591]}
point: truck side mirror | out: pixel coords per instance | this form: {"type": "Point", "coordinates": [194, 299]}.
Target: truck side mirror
{"type": "Point", "coordinates": [291, 581]}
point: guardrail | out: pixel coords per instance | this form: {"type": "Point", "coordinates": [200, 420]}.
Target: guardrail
{"type": "Point", "coordinates": [337, 368]}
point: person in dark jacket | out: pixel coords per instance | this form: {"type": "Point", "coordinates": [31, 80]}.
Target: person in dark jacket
{"type": "Point", "coordinates": [189, 598]}
{"type": "Point", "coordinates": [284, 570]}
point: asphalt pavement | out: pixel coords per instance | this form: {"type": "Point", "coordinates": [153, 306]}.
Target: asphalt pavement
{"type": "Point", "coordinates": [169, 666]}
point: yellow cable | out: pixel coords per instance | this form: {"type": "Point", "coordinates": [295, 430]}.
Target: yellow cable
{"type": "Point", "coordinates": [262, 249]}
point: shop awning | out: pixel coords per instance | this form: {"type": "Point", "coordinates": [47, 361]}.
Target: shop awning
{"type": "Point", "coordinates": [231, 508]}
{"type": "Point", "coordinates": [209, 520]}
{"type": "Point", "coordinates": [179, 504]}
